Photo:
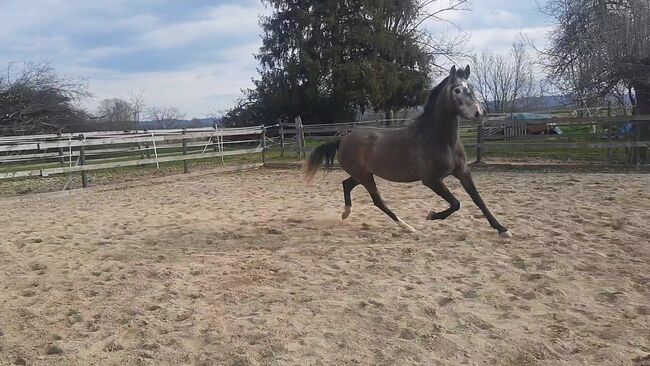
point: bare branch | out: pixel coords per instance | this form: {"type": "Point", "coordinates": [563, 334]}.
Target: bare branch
{"type": "Point", "coordinates": [506, 83]}
{"type": "Point", "coordinates": [167, 117]}
{"type": "Point", "coordinates": [598, 44]}
{"type": "Point", "coordinates": [34, 99]}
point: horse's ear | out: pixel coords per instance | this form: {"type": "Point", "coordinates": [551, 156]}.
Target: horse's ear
{"type": "Point", "coordinates": [452, 72]}
{"type": "Point", "coordinates": [467, 72]}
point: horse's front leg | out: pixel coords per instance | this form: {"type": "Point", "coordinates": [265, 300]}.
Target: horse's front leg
{"type": "Point", "coordinates": [466, 180]}
{"type": "Point", "coordinates": [439, 187]}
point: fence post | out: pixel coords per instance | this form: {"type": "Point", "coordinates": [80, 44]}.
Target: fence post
{"type": "Point", "coordinates": [300, 138]}
{"type": "Point", "coordinates": [146, 146]}
{"type": "Point", "coordinates": [155, 150]}
{"type": "Point", "coordinates": [281, 139]}
{"type": "Point", "coordinates": [141, 150]}
{"type": "Point", "coordinates": [186, 164]}
{"type": "Point", "coordinates": [297, 127]}
{"type": "Point", "coordinates": [303, 146]}
{"type": "Point", "coordinates": [609, 131]}
{"type": "Point", "coordinates": [215, 146]}
{"type": "Point", "coordinates": [479, 142]}
{"type": "Point", "coordinates": [61, 158]}
{"type": "Point", "coordinates": [263, 144]}
{"type": "Point", "coordinates": [82, 162]}
{"type": "Point", "coordinates": [637, 138]}
{"type": "Point", "coordinates": [389, 118]}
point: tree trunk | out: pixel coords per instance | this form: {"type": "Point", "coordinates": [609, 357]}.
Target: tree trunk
{"type": "Point", "coordinates": [642, 94]}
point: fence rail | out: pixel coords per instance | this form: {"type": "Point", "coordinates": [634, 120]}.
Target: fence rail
{"type": "Point", "coordinates": [45, 155]}
{"type": "Point", "coordinates": [588, 136]}
{"type": "Point", "coordinates": [617, 139]}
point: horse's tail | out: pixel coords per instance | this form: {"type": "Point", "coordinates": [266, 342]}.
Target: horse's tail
{"type": "Point", "coordinates": [322, 155]}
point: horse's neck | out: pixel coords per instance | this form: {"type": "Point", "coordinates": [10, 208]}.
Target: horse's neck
{"type": "Point", "coordinates": [440, 127]}
{"type": "Point", "coordinates": [447, 130]}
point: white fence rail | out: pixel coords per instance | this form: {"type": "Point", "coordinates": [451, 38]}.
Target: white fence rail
{"type": "Point", "coordinates": [45, 155]}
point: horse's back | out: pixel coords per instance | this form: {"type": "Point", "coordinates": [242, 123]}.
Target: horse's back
{"type": "Point", "coordinates": [356, 147]}
{"type": "Point", "coordinates": [382, 152]}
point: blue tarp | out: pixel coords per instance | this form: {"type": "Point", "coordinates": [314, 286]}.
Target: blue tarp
{"type": "Point", "coordinates": [627, 128]}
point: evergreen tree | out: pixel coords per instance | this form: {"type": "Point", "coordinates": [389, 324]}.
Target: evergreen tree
{"type": "Point", "coordinates": [326, 60]}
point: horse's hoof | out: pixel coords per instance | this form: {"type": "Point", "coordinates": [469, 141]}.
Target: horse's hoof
{"type": "Point", "coordinates": [406, 226]}
{"type": "Point", "coordinates": [432, 215]}
{"type": "Point", "coordinates": [505, 234]}
{"type": "Point", "coordinates": [346, 212]}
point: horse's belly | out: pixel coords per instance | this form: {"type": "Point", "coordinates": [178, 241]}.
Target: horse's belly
{"type": "Point", "coordinates": [386, 156]}
{"type": "Point", "coordinates": [399, 178]}
{"type": "Point", "coordinates": [398, 166]}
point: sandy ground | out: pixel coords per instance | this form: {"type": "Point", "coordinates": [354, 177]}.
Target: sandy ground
{"type": "Point", "coordinates": [256, 268]}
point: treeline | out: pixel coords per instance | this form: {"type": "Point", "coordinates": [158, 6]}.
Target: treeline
{"type": "Point", "coordinates": [34, 99]}
{"type": "Point", "coordinates": [330, 61]}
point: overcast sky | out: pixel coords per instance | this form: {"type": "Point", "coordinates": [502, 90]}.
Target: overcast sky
{"type": "Point", "coordinates": [195, 55]}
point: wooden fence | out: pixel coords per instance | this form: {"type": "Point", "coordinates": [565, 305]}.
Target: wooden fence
{"type": "Point", "coordinates": [45, 155]}
{"type": "Point", "coordinates": [581, 137]}
{"type": "Point", "coordinates": [591, 138]}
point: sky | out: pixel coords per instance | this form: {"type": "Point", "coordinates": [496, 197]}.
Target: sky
{"type": "Point", "coordinates": [195, 55]}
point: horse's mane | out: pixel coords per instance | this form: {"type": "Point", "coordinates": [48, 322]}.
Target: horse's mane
{"type": "Point", "coordinates": [430, 106]}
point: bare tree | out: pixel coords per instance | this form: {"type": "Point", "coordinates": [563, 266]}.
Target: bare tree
{"type": "Point", "coordinates": [116, 110]}
{"type": "Point", "coordinates": [122, 113]}
{"type": "Point", "coordinates": [621, 95]}
{"type": "Point", "coordinates": [136, 100]}
{"type": "Point", "coordinates": [598, 44]}
{"type": "Point", "coordinates": [167, 117]}
{"type": "Point", "coordinates": [216, 116]}
{"type": "Point", "coordinates": [441, 44]}
{"type": "Point", "coordinates": [34, 99]}
{"type": "Point", "coordinates": [506, 82]}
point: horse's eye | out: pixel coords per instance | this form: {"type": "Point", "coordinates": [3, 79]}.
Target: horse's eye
{"type": "Point", "coordinates": [457, 90]}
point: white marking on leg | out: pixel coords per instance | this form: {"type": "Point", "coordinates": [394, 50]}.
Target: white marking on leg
{"type": "Point", "coordinates": [506, 234]}
{"type": "Point", "coordinates": [346, 212]}
{"type": "Point", "coordinates": [406, 226]}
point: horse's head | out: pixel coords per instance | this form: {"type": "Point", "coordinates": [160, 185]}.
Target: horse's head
{"type": "Point", "coordinates": [461, 94]}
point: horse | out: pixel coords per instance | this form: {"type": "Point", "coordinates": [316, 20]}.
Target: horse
{"type": "Point", "coordinates": [427, 150]}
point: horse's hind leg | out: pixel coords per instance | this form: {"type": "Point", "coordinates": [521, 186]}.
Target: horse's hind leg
{"type": "Point", "coordinates": [441, 190]}
{"type": "Point", "coordinates": [371, 186]}
{"type": "Point", "coordinates": [348, 186]}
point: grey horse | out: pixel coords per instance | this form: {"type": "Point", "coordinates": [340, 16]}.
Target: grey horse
{"type": "Point", "coordinates": [427, 150]}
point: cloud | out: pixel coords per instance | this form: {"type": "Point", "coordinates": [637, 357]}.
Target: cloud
{"type": "Point", "coordinates": [55, 15]}
{"type": "Point", "coordinates": [135, 23]}
{"type": "Point", "coordinates": [501, 18]}
{"type": "Point", "coordinates": [39, 44]}
{"type": "Point", "coordinates": [197, 91]}
{"type": "Point", "coordinates": [221, 21]}
{"type": "Point", "coordinates": [501, 39]}
{"type": "Point", "coordinates": [195, 55]}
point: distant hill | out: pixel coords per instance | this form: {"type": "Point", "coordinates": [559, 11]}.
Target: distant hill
{"type": "Point", "coordinates": [548, 102]}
